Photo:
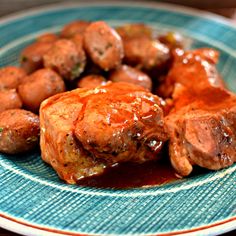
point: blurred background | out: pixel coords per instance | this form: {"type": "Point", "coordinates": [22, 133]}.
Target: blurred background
{"type": "Point", "coordinates": [223, 7]}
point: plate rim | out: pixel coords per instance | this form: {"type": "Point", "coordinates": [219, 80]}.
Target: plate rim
{"type": "Point", "coordinates": [211, 229]}
{"type": "Point", "coordinates": [83, 3]}
{"type": "Point", "coordinates": [20, 226]}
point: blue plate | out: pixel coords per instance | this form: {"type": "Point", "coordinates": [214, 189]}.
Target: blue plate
{"type": "Point", "coordinates": [34, 201]}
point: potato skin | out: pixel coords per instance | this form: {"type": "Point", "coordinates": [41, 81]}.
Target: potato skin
{"type": "Point", "coordinates": [66, 58]}
{"type": "Point", "coordinates": [73, 28]}
{"type": "Point", "coordinates": [9, 99]}
{"type": "Point", "coordinates": [39, 86]}
{"type": "Point", "coordinates": [135, 30]}
{"type": "Point", "coordinates": [19, 131]}
{"type": "Point", "coordinates": [131, 75]}
{"type": "Point", "coordinates": [91, 81]}
{"type": "Point", "coordinates": [11, 77]}
{"type": "Point", "coordinates": [47, 38]}
{"type": "Point", "coordinates": [145, 53]}
{"type": "Point", "coordinates": [31, 58]}
{"type": "Point", "coordinates": [104, 45]}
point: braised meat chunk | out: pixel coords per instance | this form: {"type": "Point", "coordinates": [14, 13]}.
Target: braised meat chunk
{"type": "Point", "coordinates": [203, 133]}
{"type": "Point", "coordinates": [85, 131]}
{"type": "Point", "coordinates": [194, 69]}
{"type": "Point", "coordinates": [202, 120]}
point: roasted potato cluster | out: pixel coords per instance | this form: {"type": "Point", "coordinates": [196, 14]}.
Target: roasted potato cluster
{"type": "Point", "coordinates": [131, 53]}
{"type": "Point", "coordinates": [19, 131]}
{"type": "Point", "coordinates": [83, 55]}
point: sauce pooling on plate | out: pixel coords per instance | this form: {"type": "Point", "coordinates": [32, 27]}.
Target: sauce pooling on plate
{"type": "Point", "coordinates": [133, 175]}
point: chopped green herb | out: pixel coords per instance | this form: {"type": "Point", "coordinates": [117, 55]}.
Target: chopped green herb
{"type": "Point", "coordinates": [31, 139]}
{"type": "Point", "coordinates": [99, 51]}
{"type": "Point", "coordinates": [76, 71]}
{"type": "Point", "coordinates": [109, 45]}
{"type": "Point", "coordinates": [1, 129]}
{"type": "Point", "coordinates": [23, 59]}
{"type": "Point", "coordinates": [170, 37]}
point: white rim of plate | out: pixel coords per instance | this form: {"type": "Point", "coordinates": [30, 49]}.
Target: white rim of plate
{"type": "Point", "coordinates": [25, 228]}
{"type": "Point", "coordinates": [35, 230]}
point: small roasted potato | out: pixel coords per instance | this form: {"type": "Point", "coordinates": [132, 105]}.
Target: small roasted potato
{"type": "Point", "coordinates": [91, 81]}
{"type": "Point", "coordinates": [134, 30]}
{"type": "Point", "coordinates": [31, 58]}
{"type": "Point", "coordinates": [67, 58]}
{"type": "Point", "coordinates": [47, 38]}
{"type": "Point", "coordinates": [145, 53]}
{"type": "Point", "coordinates": [104, 45]}
{"type": "Point", "coordinates": [39, 86]}
{"type": "Point", "coordinates": [19, 131]}
{"type": "Point", "coordinates": [73, 28]}
{"type": "Point", "coordinates": [11, 77]}
{"type": "Point", "coordinates": [131, 75]}
{"type": "Point", "coordinates": [9, 99]}
{"type": "Point", "coordinates": [78, 39]}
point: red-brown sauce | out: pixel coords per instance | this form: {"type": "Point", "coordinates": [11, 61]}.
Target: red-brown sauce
{"type": "Point", "coordinates": [132, 175]}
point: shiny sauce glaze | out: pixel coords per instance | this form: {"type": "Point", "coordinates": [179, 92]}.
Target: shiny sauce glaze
{"type": "Point", "coordinates": [133, 175]}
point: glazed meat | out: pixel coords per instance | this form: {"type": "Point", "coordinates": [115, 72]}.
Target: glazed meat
{"type": "Point", "coordinates": [202, 121]}
{"type": "Point", "coordinates": [85, 131]}
{"type": "Point", "coordinates": [195, 70]}
{"type": "Point", "coordinates": [203, 132]}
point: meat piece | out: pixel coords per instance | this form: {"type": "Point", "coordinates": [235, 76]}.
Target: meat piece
{"type": "Point", "coordinates": [203, 131]}
{"type": "Point", "coordinates": [9, 99]}
{"type": "Point", "coordinates": [201, 123]}
{"type": "Point", "coordinates": [85, 131]}
{"type": "Point", "coordinates": [31, 58]}
{"type": "Point", "coordinates": [131, 75]}
{"type": "Point", "coordinates": [19, 131]}
{"type": "Point", "coordinates": [195, 70]}
{"type": "Point", "coordinates": [11, 77]}
{"type": "Point", "coordinates": [91, 81]}
{"type": "Point", "coordinates": [103, 45]}
{"type": "Point", "coordinates": [66, 58]}
{"type": "Point", "coordinates": [39, 86]}
{"type": "Point", "coordinates": [73, 28]}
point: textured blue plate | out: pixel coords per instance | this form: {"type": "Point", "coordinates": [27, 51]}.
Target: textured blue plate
{"type": "Point", "coordinates": [34, 201]}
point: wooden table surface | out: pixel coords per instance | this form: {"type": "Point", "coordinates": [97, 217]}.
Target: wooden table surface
{"type": "Point", "coordinates": [12, 6]}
